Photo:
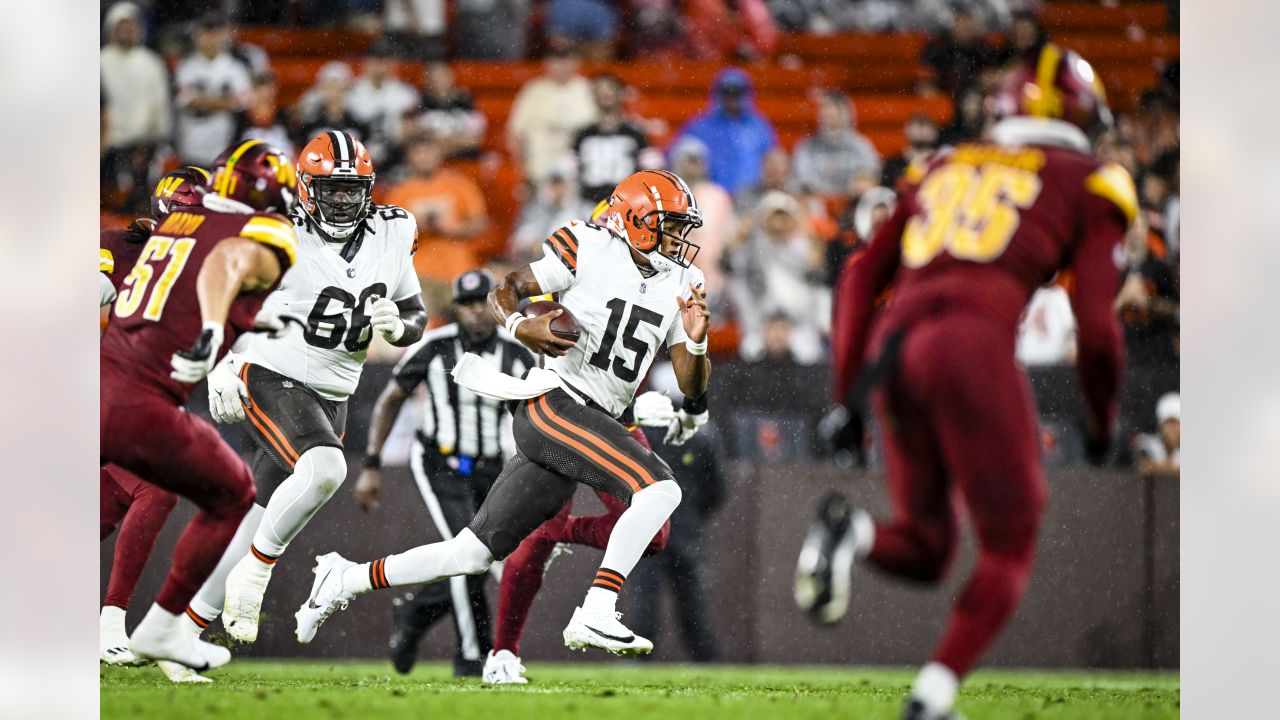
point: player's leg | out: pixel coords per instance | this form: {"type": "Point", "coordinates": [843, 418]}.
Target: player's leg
{"type": "Point", "coordinates": [113, 503]}
{"type": "Point", "coordinates": [685, 572]}
{"type": "Point", "coordinates": [301, 432]}
{"type": "Point", "coordinates": [113, 640]}
{"type": "Point", "coordinates": [148, 509]}
{"type": "Point", "coordinates": [524, 496]}
{"type": "Point", "coordinates": [594, 530]}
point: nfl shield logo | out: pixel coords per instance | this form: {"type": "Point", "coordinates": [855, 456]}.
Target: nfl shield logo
{"type": "Point", "coordinates": [351, 272]}
{"type": "Point", "coordinates": [643, 287]}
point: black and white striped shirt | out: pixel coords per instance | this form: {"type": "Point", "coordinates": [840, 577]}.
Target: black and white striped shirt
{"type": "Point", "coordinates": [457, 420]}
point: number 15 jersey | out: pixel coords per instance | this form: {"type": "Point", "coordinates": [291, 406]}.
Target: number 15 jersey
{"type": "Point", "coordinates": [623, 315]}
{"type": "Point", "coordinates": [331, 289]}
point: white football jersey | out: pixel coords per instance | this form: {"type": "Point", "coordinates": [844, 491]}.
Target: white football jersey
{"type": "Point", "coordinates": [623, 315]}
{"type": "Point", "coordinates": [332, 294]}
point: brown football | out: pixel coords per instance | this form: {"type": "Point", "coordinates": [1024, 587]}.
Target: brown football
{"type": "Point", "coordinates": [565, 326]}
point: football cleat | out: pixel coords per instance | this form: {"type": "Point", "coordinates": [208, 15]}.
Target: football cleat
{"type": "Point", "coordinates": [917, 710]}
{"type": "Point", "coordinates": [327, 596]}
{"type": "Point", "coordinates": [113, 641]}
{"type": "Point", "coordinates": [160, 636]}
{"type": "Point", "coordinates": [246, 585]}
{"type": "Point", "coordinates": [406, 633]}
{"type": "Point", "coordinates": [604, 631]}
{"type": "Point", "coordinates": [181, 673]}
{"type": "Point", "coordinates": [504, 668]}
{"type": "Point", "coordinates": [825, 565]}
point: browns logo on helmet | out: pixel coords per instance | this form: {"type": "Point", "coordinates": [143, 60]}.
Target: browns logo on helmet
{"type": "Point", "coordinates": [335, 183]}
{"type": "Point", "coordinates": [255, 174]}
{"type": "Point", "coordinates": [1058, 85]}
{"type": "Point", "coordinates": [180, 188]}
{"type": "Point", "coordinates": [655, 211]}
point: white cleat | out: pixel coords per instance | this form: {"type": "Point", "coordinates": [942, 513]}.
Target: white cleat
{"type": "Point", "coordinates": [113, 641]}
{"type": "Point", "coordinates": [504, 668]}
{"type": "Point", "coordinates": [246, 584]}
{"type": "Point", "coordinates": [604, 631]}
{"type": "Point", "coordinates": [327, 595]}
{"type": "Point", "coordinates": [181, 673]}
{"type": "Point", "coordinates": [161, 637]}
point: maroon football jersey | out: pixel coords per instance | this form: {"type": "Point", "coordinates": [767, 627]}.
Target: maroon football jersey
{"type": "Point", "coordinates": [976, 230]}
{"type": "Point", "coordinates": [118, 250]}
{"type": "Point", "coordinates": [157, 312]}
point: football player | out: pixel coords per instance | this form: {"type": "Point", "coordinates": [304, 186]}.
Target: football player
{"type": "Point", "coordinates": [199, 282]}
{"type": "Point", "coordinates": [354, 277]}
{"type": "Point", "coordinates": [633, 287]}
{"type": "Point", "coordinates": [137, 508]}
{"type": "Point", "coordinates": [977, 229]}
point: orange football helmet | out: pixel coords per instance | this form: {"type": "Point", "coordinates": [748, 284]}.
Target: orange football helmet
{"type": "Point", "coordinates": [335, 183]}
{"type": "Point", "coordinates": [650, 206]}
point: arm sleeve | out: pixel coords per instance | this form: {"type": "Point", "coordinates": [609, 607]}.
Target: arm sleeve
{"type": "Point", "coordinates": [411, 370]}
{"type": "Point", "coordinates": [556, 271]}
{"type": "Point", "coordinates": [1100, 350]}
{"type": "Point", "coordinates": [408, 285]}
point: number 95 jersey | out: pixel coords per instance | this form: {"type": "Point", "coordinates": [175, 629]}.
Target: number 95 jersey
{"type": "Point", "coordinates": [624, 316]}
{"type": "Point", "coordinates": [331, 289]}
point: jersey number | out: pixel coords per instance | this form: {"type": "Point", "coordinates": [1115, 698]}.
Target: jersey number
{"type": "Point", "coordinates": [617, 308]}
{"type": "Point", "coordinates": [326, 328]}
{"type": "Point", "coordinates": [970, 212]}
{"type": "Point", "coordinates": [134, 288]}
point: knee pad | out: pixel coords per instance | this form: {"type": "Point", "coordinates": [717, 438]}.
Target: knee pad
{"type": "Point", "coordinates": [471, 554]}
{"type": "Point", "coordinates": [664, 491]}
{"type": "Point", "coordinates": [326, 467]}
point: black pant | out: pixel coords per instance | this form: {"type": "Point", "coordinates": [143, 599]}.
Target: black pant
{"type": "Point", "coordinates": [681, 564]}
{"type": "Point", "coordinates": [452, 500]}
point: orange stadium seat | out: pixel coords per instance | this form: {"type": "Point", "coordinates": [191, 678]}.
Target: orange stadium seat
{"type": "Point", "coordinates": [1067, 17]}
{"type": "Point", "coordinates": [1101, 49]}
{"type": "Point", "coordinates": [303, 42]}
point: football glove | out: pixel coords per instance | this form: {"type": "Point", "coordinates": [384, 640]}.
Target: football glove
{"type": "Point", "coordinates": [653, 409]}
{"type": "Point", "coordinates": [191, 365]}
{"type": "Point", "coordinates": [272, 324]}
{"type": "Point", "coordinates": [843, 432]}
{"type": "Point", "coordinates": [227, 393]}
{"type": "Point", "coordinates": [684, 426]}
{"type": "Point", "coordinates": [385, 318]}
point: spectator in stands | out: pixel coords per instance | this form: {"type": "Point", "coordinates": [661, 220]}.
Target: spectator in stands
{"type": "Point", "coordinates": [448, 205]}
{"type": "Point", "coordinates": [1159, 455]}
{"type": "Point", "coordinates": [263, 119]}
{"type": "Point", "coordinates": [1112, 146]}
{"type": "Point", "coordinates": [970, 120]}
{"type": "Point", "coordinates": [737, 136]}
{"type": "Point", "coordinates": [826, 161]}
{"type": "Point", "coordinates": [689, 161]}
{"type": "Point", "coordinates": [865, 213]}
{"type": "Point", "coordinates": [1159, 196]}
{"type": "Point", "coordinates": [612, 147]}
{"type": "Point", "coordinates": [776, 271]}
{"type": "Point", "coordinates": [1147, 304]}
{"type": "Point", "coordinates": [547, 113]}
{"type": "Point", "coordinates": [552, 206]}
{"type": "Point", "coordinates": [254, 58]}
{"type": "Point", "coordinates": [415, 28]}
{"type": "Point", "coordinates": [381, 100]}
{"type": "Point", "coordinates": [324, 106]}
{"type": "Point", "coordinates": [1027, 37]}
{"type": "Point", "coordinates": [449, 114]}
{"type": "Point", "coordinates": [589, 25]}
{"type": "Point", "coordinates": [718, 29]}
{"type": "Point", "coordinates": [490, 29]}
{"type": "Point", "coordinates": [212, 87]}
{"type": "Point", "coordinates": [775, 174]}
{"type": "Point", "coordinates": [922, 139]}
{"type": "Point", "coordinates": [959, 57]}
{"type": "Point", "coordinates": [135, 89]}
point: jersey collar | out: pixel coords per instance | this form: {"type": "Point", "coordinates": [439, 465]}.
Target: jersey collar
{"type": "Point", "coordinates": [1039, 131]}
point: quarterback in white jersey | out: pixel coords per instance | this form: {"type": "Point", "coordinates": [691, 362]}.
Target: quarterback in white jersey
{"type": "Point", "coordinates": [354, 276]}
{"type": "Point", "coordinates": [632, 286]}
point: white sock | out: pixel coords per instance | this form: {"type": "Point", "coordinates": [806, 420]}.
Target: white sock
{"type": "Point", "coordinates": [631, 535]}
{"type": "Point", "coordinates": [111, 620]}
{"type": "Point", "coordinates": [212, 596]}
{"type": "Point", "coordinates": [316, 477]}
{"type": "Point", "coordinates": [864, 533]}
{"type": "Point", "coordinates": [936, 687]}
{"type": "Point", "coordinates": [600, 602]}
{"type": "Point", "coordinates": [464, 554]}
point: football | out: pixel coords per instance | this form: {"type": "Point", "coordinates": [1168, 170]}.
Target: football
{"type": "Point", "coordinates": [565, 326]}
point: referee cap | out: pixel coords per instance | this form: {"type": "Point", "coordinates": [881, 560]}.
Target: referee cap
{"type": "Point", "coordinates": [472, 285]}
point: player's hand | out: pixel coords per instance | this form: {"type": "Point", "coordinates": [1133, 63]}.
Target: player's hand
{"type": "Point", "coordinates": [227, 394]}
{"type": "Point", "coordinates": [273, 324]}
{"type": "Point", "coordinates": [684, 426]}
{"type": "Point", "coordinates": [367, 488]}
{"type": "Point", "coordinates": [843, 432]}
{"type": "Point", "coordinates": [653, 409]}
{"type": "Point", "coordinates": [694, 313]}
{"type": "Point", "coordinates": [385, 318]}
{"type": "Point", "coordinates": [536, 335]}
{"type": "Point", "coordinates": [191, 365]}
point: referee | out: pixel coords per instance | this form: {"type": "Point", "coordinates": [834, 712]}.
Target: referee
{"type": "Point", "coordinates": [456, 457]}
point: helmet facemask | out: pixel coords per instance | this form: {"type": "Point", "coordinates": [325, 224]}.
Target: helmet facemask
{"type": "Point", "coordinates": [673, 227]}
{"type": "Point", "coordinates": [339, 204]}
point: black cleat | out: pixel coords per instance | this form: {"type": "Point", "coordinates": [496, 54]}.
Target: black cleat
{"type": "Point", "coordinates": [915, 710]}
{"type": "Point", "coordinates": [825, 564]}
{"type": "Point", "coordinates": [468, 668]}
{"type": "Point", "coordinates": [406, 634]}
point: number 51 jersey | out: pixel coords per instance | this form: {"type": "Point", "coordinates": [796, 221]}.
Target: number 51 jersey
{"type": "Point", "coordinates": [624, 316]}
{"type": "Point", "coordinates": [331, 289]}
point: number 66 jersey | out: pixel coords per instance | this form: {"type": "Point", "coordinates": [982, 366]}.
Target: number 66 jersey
{"type": "Point", "coordinates": [331, 289]}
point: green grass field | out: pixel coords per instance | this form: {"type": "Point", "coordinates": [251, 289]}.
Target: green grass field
{"type": "Point", "coordinates": [249, 689]}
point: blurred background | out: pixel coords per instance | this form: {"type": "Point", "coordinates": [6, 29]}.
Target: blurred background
{"type": "Point", "coordinates": [496, 121]}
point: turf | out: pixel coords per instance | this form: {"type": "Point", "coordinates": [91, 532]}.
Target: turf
{"type": "Point", "coordinates": [276, 690]}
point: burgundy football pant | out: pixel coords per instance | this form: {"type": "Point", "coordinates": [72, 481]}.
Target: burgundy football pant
{"type": "Point", "coordinates": [139, 509]}
{"type": "Point", "coordinates": [959, 420]}
{"type": "Point", "coordinates": [144, 432]}
{"type": "Point", "coordinates": [523, 570]}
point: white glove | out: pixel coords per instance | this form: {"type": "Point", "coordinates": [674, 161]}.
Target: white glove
{"type": "Point", "coordinates": [271, 324]}
{"type": "Point", "coordinates": [683, 427]}
{"type": "Point", "coordinates": [385, 318]}
{"type": "Point", "coordinates": [653, 409]}
{"type": "Point", "coordinates": [225, 392]}
{"type": "Point", "coordinates": [190, 366]}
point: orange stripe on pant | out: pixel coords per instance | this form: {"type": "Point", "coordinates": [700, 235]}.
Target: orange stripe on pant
{"type": "Point", "coordinates": [262, 422]}
{"type": "Point", "coordinates": [547, 429]}
{"type": "Point", "coordinates": [642, 474]}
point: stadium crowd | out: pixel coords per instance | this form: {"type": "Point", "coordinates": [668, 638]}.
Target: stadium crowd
{"type": "Point", "coordinates": [178, 85]}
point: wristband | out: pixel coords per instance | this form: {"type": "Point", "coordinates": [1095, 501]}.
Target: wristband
{"type": "Point", "coordinates": [694, 406]}
{"type": "Point", "coordinates": [696, 348]}
{"type": "Point", "coordinates": [513, 322]}
{"type": "Point", "coordinates": [372, 462]}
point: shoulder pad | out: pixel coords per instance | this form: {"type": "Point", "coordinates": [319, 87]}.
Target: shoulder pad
{"type": "Point", "coordinates": [274, 231]}
{"type": "Point", "coordinates": [106, 261]}
{"type": "Point", "coordinates": [564, 244]}
{"type": "Point", "coordinates": [1112, 182]}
